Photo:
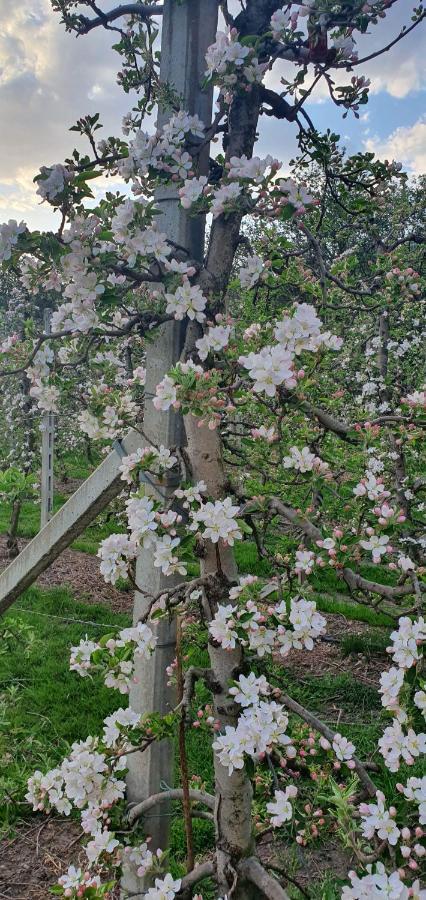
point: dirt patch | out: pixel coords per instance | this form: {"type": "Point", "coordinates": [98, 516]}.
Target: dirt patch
{"type": "Point", "coordinates": [80, 572]}
{"type": "Point", "coordinates": [326, 656]}
{"type": "Point", "coordinates": [68, 487]}
{"type": "Point", "coordinates": [308, 866]}
{"type": "Point", "coordinates": [39, 852]}
{"type": "Point", "coordinates": [34, 858]}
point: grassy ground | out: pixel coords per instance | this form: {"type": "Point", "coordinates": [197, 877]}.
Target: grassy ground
{"type": "Point", "coordinates": [44, 707]}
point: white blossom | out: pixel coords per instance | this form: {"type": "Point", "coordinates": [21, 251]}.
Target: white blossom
{"type": "Point", "coordinates": [269, 368]}
{"type": "Point", "coordinates": [215, 339]}
{"type": "Point", "coordinates": [219, 522]}
{"type": "Point", "coordinates": [280, 808]}
{"type": "Point", "coordinates": [192, 190]}
{"type": "Point", "coordinates": [188, 300]}
{"type": "Point", "coordinates": [343, 748]}
{"type": "Point", "coordinates": [249, 689]}
{"type": "Point", "coordinates": [376, 819]}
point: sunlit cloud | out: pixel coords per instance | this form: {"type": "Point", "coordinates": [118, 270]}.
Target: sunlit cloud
{"type": "Point", "coordinates": [405, 144]}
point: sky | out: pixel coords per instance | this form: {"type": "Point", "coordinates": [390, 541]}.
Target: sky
{"type": "Point", "coordinates": [49, 78]}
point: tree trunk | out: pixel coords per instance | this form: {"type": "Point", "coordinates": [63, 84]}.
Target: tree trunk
{"type": "Point", "coordinates": [12, 534]}
{"type": "Point", "coordinates": [234, 839]}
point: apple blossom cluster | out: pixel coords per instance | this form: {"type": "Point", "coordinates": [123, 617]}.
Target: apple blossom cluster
{"type": "Point", "coordinates": [250, 274]}
{"type": "Point", "coordinates": [247, 690]}
{"type": "Point", "coordinates": [188, 387]}
{"type": "Point", "coordinates": [187, 375]}
{"type": "Point", "coordinates": [274, 365]}
{"type": "Point", "coordinates": [161, 153]}
{"type": "Point", "coordinates": [116, 553]}
{"type": "Point", "coordinates": [218, 520]}
{"type": "Point", "coordinates": [115, 657]}
{"type": "Point", "coordinates": [304, 461]}
{"type": "Point", "coordinates": [75, 882]}
{"type": "Point", "coordinates": [263, 433]}
{"type": "Point", "coordinates": [52, 181]}
{"type": "Point", "coordinates": [415, 792]}
{"type": "Point", "coordinates": [398, 742]}
{"type": "Point", "coordinates": [379, 884]}
{"type": "Point", "coordinates": [343, 749]}
{"type": "Point", "coordinates": [231, 64]}
{"type": "Point", "coordinates": [270, 368]}
{"type": "Point", "coordinates": [377, 544]}
{"type": "Point", "coordinates": [406, 281]}
{"type": "Point", "coordinates": [305, 561]}
{"type": "Point", "coordinates": [45, 394]}
{"type": "Point", "coordinates": [164, 888]}
{"type": "Point", "coordinates": [146, 459]}
{"type": "Point", "coordinates": [260, 727]}
{"type": "Point", "coordinates": [8, 343]}
{"type": "Point", "coordinates": [82, 289]}
{"type": "Point", "coordinates": [377, 819]}
{"type": "Point", "coordinates": [109, 413]}
{"type": "Point", "coordinates": [280, 808]}
{"type": "Point", "coordinates": [216, 338]}
{"type": "Point", "coordinates": [261, 632]}
{"type": "Point", "coordinates": [141, 858]}
{"type": "Point", "coordinates": [188, 300]}
{"type": "Point", "coordinates": [86, 780]}
{"type": "Point", "coordinates": [396, 745]}
{"type": "Point", "coordinates": [9, 235]}
{"type": "Point", "coordinates": [416, 398]}
{"type": "Point", "coordinates": [371, 487]}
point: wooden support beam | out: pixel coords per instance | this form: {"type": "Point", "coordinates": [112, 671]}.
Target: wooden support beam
{"type": "Point", "coordinates": [69, 522]}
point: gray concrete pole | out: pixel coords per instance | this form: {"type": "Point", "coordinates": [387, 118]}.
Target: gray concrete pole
{"type": "Point", "coordinates": [47, 428]}
{"type": "Point", "coordinates": [188, 29]}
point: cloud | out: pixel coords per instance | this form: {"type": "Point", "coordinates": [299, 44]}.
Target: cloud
{"type": "Point", "coordinates": [48, 79]}
{"type": "Point", "coordinates": [405, 144]}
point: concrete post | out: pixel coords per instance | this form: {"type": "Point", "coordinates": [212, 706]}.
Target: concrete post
{"type": "Point", "coordinates": [47, 428]}
{"type": "Point", "coordinates": [188, 29]}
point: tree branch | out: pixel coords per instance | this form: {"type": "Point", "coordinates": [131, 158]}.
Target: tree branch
{"type": "Point", "coordinates": [141, 10]}
{"type": "Point", "coordinates": [399, 37]}
{"type": "Point", "coordinates": [295, 519]}
{"type": "Point", "coordinates": [252, 870]}
{"type": "Point", "coordinates": [204, 870]}
{"type": "Point", "coordinates": [357, 582]}
{"type": "Point", "coordinates": [139, 809]}
{"type": "Point", "coordinates": [323, 729]}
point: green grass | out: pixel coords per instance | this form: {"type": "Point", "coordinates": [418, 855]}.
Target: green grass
{"type": "Point", "coordinates": [49, 707]}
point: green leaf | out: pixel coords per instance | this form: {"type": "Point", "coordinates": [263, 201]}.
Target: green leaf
{"type": "Point", "coordinates": [244, 527]}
